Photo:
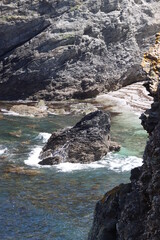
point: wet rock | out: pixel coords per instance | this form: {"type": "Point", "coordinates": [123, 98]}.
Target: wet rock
{"type": "Point", "coordinates": [73, 49]}
{"type": "Point", "coordinates": [132, 211]}
{"type": "Point", "coordinates": [29, 111]}
{"type": "Point", "coordinates": [150, 64]}
{"type": "Point", "coordinates": [82, 108]}
{"type": "Point", "coordinates": [87, 141]}
{"type": "Point", "coordinates": [133, 97]}
{"type": "Point", "coordinates": [114, 146]}
{"type": "Point", "coordinates": [57, 111]}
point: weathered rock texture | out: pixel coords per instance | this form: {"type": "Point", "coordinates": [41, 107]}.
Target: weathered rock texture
{"type": "Point", "coordinates": [61, 49]}
{"type": "Point", "coordinates": [87, 141]}
{"type": "Point", "coordinates": [132, 211]}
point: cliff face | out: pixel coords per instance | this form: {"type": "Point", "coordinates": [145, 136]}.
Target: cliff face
{"type": "Point", "coordinates": [61, 49]}
{"type": "Point", "coordinates": [132, 211]}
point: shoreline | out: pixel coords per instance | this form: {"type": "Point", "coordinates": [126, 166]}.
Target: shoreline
{"type": "Point", "coordinates": [133, 98]}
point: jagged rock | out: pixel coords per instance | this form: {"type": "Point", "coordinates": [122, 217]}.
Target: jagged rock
{"type": "Point", "coordinates": [114, 146]}
{"type": "Point", "coordinates": [132, 211]}
{"type": "Point", "coordinates": [62, 49]}
{"type": "Point", "coordinates": [151, 64]}
{"type": "Point", "coordinates": [87, 141]}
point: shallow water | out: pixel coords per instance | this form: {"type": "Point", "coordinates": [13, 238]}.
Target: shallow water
{"type": "Point", "coordinates": [58, 202]}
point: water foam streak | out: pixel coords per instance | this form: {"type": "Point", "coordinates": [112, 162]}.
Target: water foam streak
{"type": "Point", "coordinates": [113, 162]}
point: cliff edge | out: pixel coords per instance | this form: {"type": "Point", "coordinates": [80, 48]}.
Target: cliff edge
{"type": "Point", "coordinates": [132, 211]}
{"type": "Point", "coordinates": [62, 49]}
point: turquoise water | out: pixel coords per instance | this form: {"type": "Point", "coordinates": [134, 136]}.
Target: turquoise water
{"type": "Point", "coordinates": [58, 203]}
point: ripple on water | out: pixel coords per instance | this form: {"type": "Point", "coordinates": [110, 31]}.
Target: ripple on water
{"type": "Point", "coordinates": [59, 201]}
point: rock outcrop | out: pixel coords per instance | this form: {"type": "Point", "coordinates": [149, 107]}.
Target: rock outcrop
{"type": "Point", "coordinates": [87, 141]}
{"type": "Point", "coordinates": [61, 49]}
{"type": "Point", "coordinates": [23, 110]}
{"type": "Point", "coordinates": [132, 211]}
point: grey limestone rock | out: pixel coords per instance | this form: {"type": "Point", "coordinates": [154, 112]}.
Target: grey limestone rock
{"type": "Point", "coordinates": [61, 49]}
{"type": "Point", "coordinates": [132, 211]}
{"type": "Point", "coordinates": [87, 141]}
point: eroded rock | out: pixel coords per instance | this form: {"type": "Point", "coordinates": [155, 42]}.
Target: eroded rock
{"type": "Point", "coordinates": [87, 141]}
{"type": "Point", "coordinates": [132, 211]}
{"type": "Point", "coordinates": [73, 49]}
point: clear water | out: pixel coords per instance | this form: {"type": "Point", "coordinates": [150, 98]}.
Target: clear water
{"type": "Point", "coordinates": [58, 203]}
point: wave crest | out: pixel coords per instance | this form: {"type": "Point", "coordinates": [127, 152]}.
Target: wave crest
{"type": "Point", "coordinates": [113, 162]}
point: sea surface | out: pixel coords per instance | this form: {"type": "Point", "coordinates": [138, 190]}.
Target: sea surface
{"type": "Point", "coordinates": [57, 203]}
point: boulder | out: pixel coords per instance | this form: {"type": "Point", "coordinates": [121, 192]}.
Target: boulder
{"type": "Point", "coordinates": [87, 141]}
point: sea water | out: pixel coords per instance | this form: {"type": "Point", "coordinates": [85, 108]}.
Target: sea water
{"type": "Point", "coordinates": [58, 202]}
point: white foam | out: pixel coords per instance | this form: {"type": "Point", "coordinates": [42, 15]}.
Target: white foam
{"type": "Point", "coordinates": [114, 162]}
{"type": "Point", "coordinates": [33, 159]}
{"type": "Point", "coordinates": [120, 163]}
{"type": "Point", "coordinates": [70, 167]}
{"type": "Point", "coordinates": [2, 151]}
{"type": "Point", "coordinates": [12, 113]}
{"type": "Point", "coordinates": [44, 136]}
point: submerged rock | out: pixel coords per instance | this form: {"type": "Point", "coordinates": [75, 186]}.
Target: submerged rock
{"type": "Point", "coordinates": [21, 170]}
{"type": "Point", "coordinates": [17, 133]}
{"type": "Point", "coordinates": [87, 141]}
{"type": "Point", "coordinates": [73, 48]}
{"type": "Point", "coordinates": [132, 211]}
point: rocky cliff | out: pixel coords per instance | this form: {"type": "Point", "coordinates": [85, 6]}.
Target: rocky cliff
{"type": "Point", "coordinates": [61, 49]}
{"type": "Point", "coordinates": [132, 211]}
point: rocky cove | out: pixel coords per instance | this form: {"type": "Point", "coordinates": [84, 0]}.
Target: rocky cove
{"type": "Point", "coordinates": [57, 59]}
{"type": "Point", "coordinates": [58, 201]}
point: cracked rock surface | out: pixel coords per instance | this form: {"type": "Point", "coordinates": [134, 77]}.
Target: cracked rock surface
{"type": "Point", "coordinates": [62, 49]}
{"type": "Point", "coordinates": [132, 211]}
{"type": "Point", "coordinates": [87, 141]}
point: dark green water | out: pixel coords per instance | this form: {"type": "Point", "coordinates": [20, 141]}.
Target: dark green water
{"type": "Point", "coordinates": [58, 202]}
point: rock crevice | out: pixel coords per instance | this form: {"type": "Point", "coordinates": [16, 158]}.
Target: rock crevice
{"type": "Point", "coordinates": [87, 141]}
{"type": "Point", "coordinates": [132, 211]}
{"type": "Point", "coordinates": [97, 42]}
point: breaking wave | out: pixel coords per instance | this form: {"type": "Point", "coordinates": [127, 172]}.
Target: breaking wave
{"type": "Point", "coordinates": [112, 161]}
{"type": "Point", "coordinates": [43, 136]}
